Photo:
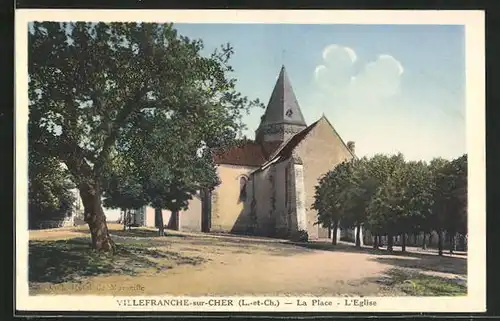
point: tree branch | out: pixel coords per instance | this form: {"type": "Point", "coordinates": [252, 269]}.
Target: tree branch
{"type": "Point", "coordinates": [121, 118]}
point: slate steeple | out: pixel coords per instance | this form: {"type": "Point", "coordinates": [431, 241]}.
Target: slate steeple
{"type": "Point", "coordinates": [283, 117]}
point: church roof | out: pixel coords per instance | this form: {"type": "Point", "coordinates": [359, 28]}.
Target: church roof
{"type": "Point", "coordinates": [283, 106]}
{"type": "Point", "coordinates": [287, 150]}
{"type": "Point", "coordinates": [249, 153]}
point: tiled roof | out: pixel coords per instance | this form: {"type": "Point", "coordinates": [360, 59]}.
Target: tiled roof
{"type": "Point", "coordinates": [245, 154]}
{"type": "Point", "coordinates": [268, 148]}
{"type": "Point", "coordinates": [287, 150]}
{"type": "Point", "coordinates": [248, 153]}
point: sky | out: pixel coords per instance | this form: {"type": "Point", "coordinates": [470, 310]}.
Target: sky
{"type": "Point", "coordinates": [388, 88]}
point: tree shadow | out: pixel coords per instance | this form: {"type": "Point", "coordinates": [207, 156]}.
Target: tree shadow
{"type": "Point", "coordinates": [350, 248]}
{"type": "Point", "coordinates": [427, 263]}
{"type": "Point", "coordinates": [142, 233]}
{"type": "Point", "coordinates": [340, 247]}
{"type": "Point", "coordinates": [423, 261]}
{"type": "Point", "coordinates": [73, 260]}
{"type": "Point", "coordinates": [415, 283]}
{"type": "Point", "coordinates": [249, 245]}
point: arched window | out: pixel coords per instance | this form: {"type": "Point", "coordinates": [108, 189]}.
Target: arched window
{"type": "Point", "coordinates": [243, 188]}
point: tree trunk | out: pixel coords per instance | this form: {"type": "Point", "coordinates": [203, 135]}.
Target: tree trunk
{"type": "Point", "coordinates": [375, 242]}
{"type": "Point", "coordinates": [175, 216]}
{"type": "Point", "coordinates": [431, 237]}
{"type": "Point", "coordinates": [424, 243]}
{"type": "Point", "coordinates": [129, 219]}
{"type": "Point", "coordinates": [95, 218]}
{"type": "Point", "coordinates": [390, 242]}
{"type": "Point", "coordinates": [403, 242]}
{"type": "Point", "coordinates": [461, 242]}
{"type": "Point", "coordinates": [358, 234]}
{"type": "Point", "coordinates": [124, 219]}
{"type": "Point", "coordinates": [334, 235]}
{"type": "Point", "coordinates": [453, 243]}
{"type": "Point", "coordinates": [440, 243]}
{"type": "Point", "coordinates": [159, 221]}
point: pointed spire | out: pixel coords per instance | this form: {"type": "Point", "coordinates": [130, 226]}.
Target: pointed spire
{"type": "Point", "coordinates": [283, 107]}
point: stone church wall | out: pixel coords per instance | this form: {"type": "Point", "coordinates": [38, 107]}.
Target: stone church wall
{"type": "Point", "coordinates": [299, 212]}
{"type": "Point", "coordinates": [263, 201]}
{"type": "Point", "coordinates": [280, 213]}
{"type": "Point", "coordinates": [230, 213]}
{"type": "Point", "coordinates": [320, 151]}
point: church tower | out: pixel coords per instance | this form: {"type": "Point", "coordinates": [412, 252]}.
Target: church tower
{"type": "Point", "coordinates": [282, 118]}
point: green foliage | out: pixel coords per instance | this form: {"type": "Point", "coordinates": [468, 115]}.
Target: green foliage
{"type": "Point", "coordinates": [451, 196]}
{"type": "Point", "coordinates": [389, 195]}
{"type": "Point", "coordinates": [50, 195]}
{"type": "Point", "coordinates": [419, 284]}
{"type": "Point", "coordinates": [135, 93]}
{"type": "Point", "coordinates": [333, 195]}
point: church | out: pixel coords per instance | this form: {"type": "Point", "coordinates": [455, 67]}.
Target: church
{"type": "Point", "coordinates": [268, 184]}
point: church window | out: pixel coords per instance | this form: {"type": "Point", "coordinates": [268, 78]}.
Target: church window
{"type": "Point", "coordinates": [243, 189]}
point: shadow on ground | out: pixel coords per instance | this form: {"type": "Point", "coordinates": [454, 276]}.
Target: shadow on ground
{"type": "Point", "coordinates": [428, 263]}
{"type": "Point", "coordinates": [418, 284]}
{"type": "Point", "coordinates": [141, 233]}
{"type": "Point", "coordinates": [249, 246]}
{"type": "Point", "coordinates": [72, 260]}
{"type": "Point", "coordinates": [423, 261]}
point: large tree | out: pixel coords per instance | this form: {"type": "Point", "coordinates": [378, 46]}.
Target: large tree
{"type": "Point", "coordinates": [451, 200]}
{"type": "Point", "coordinates": [332, 198]}
{"type": "Point", "coordinates": [369, 175]}
{"type": "Point", "coordinates": [417, 199]}
{"type": "Point", "coordinates": [386, 206]}
{"type": "Point", "coordinates": [91, 84]}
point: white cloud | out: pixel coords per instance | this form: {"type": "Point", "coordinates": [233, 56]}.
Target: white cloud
{"type": "Point", "coordinates": [335, 54]}
{"type": "Point", "coordinates": [334, 74]}
{"type": "Point", "coordinates": [378, 79]}
{"type": "Point", "coordinates": [375, 80]}
{"type": "Point", "coordinates": [364, 103]}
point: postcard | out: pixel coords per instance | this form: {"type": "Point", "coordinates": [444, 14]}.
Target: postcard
{"type": "Point", "coordinates": [245, 160]}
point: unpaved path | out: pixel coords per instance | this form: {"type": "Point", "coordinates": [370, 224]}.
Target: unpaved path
{"type": "Point", "coordinates": [248, 266]}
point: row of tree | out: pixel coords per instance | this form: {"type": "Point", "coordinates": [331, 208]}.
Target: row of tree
{"type": "Point", "coordinates": [390, 196]}
{"type": "Point", "coordinates": [132, 110]}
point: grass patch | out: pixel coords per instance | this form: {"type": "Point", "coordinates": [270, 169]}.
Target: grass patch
{"type": "Point", "coordinates": [74, 260]}
{"type": "Point", "coordinates": [419, 284]}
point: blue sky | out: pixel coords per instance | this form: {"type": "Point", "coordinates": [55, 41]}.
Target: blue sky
{"type": "Point", "coordinates": [389, 88]}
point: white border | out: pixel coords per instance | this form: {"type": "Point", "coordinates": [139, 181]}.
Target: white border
{"type": "Point", "coordinates": [475, 301]}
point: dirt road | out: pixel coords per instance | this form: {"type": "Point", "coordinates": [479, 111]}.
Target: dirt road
{"type": "Point", "coordinates": [229, 265]}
